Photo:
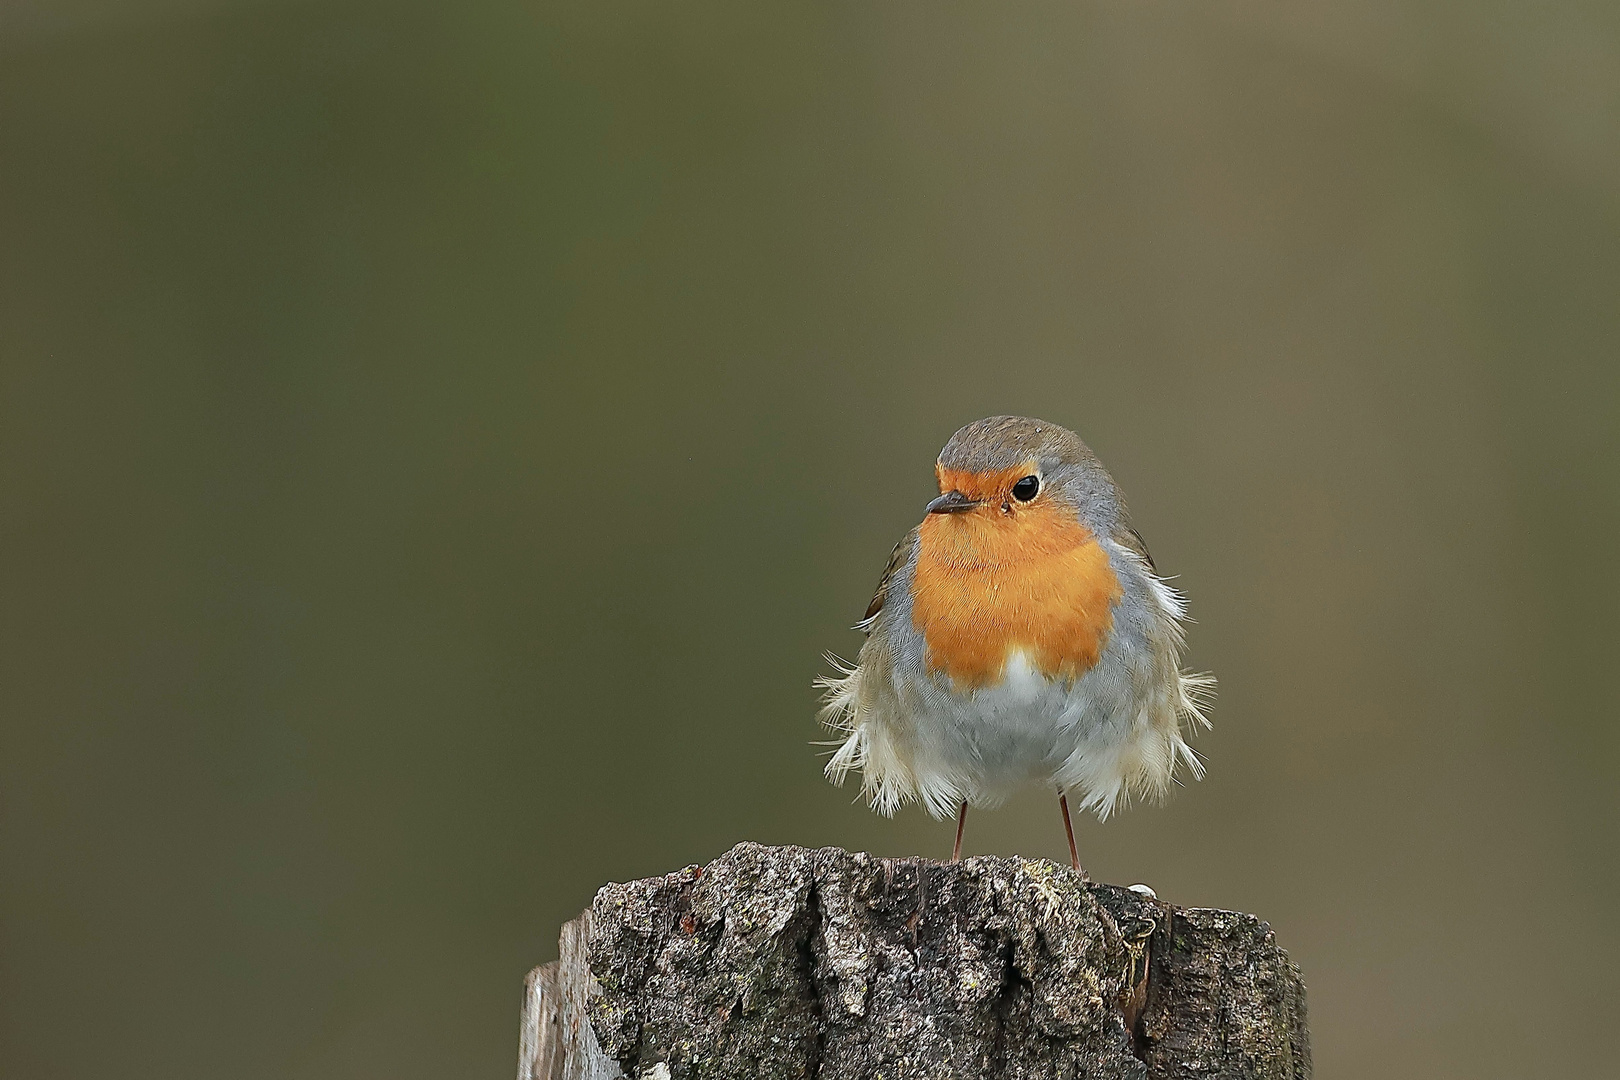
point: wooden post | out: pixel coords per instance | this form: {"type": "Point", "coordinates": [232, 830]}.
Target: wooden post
{"type": "Point", "coordinates": [783, 962]}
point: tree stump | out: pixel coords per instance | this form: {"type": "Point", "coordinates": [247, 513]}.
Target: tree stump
{"type": "Point", "coordinates": [783, 962]}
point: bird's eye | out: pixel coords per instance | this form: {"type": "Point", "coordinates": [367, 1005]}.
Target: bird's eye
{"type": "Point", "coordinates": [1027, 488]}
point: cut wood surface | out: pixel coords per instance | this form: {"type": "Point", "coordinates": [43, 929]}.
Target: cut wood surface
{"type": "Point", "coordinates": [786, 962]}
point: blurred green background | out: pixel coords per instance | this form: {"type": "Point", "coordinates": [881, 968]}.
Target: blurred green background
{"type": "Point", "coordinates": [437, 442]}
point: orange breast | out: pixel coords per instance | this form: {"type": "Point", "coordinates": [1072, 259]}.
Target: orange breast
{"type": "Point", "coordinates": [988, 583]}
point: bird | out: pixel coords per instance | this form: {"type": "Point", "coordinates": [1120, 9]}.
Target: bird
{"type": "Point", "coordinates": [1020, 634]}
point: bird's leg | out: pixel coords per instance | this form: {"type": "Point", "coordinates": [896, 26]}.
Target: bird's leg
{"type": "Point", "coordinates": [1068, 827]}
{"type": "Point", "coordinates": [961, 820]}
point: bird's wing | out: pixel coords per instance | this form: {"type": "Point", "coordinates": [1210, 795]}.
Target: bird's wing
{"type": "Point", "coordinates": [897, 558]}
{"type": "Point", "coordinates": [1127, 536]}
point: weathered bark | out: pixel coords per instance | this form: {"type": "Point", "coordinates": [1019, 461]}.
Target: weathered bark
{"type": "Point", "coordinates": [782, 962]}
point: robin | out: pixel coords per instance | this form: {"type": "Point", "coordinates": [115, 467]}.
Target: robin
{"type": "Point", "coordinates": [1020, 633]}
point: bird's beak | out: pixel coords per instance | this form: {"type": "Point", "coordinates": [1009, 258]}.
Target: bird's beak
{"type": "Point", "coordinates": [952, 502]}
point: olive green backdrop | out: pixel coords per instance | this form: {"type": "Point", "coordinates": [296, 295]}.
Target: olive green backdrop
{"type": "Point", "coordinates": [438, 441]}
